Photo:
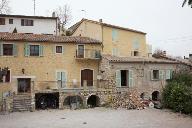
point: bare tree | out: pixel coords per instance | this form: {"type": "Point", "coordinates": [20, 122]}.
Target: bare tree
{"type": "Point", "coordinates": [64, 15]}
{"type": "Point", "coordinates": [4, 7]}
{"type": "Point", "coordinates": [187, 1]}
{"type": "Point", "coordinates": [158, 53]}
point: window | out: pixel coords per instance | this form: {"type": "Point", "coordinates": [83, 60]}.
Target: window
{"type": "Point", "coordinates": [80, 51]}
{"type": "Point", "coordinates": [157, 75]}
{"type": "Point", "coordinates": [2, 21]}
{"type": "Point", "coordinates": [7, 49]}
{"type": "Point", "coordinates": [34, 50]}
{"type": "Point", "coordinates": [59, 49]}
{"type": "Point", "coordinates": [10, 21]}
{"type": "Point", "coordinates": [135, 53]}
{"type": "Point", "coordinates": [61, 79]}
{"type": "Point", "coordinates": [6, 77]}
{"type": "Point", "coordinates": [26, 22]}
{"type": "Point", "coordinates": [124, 78]}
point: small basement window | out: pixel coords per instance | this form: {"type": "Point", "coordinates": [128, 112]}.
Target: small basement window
{"type": "Point", "coordinates": [135, 53]}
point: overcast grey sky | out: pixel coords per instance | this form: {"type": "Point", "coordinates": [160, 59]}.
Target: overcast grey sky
{"type": "Point", "coordinates": [167, 24]}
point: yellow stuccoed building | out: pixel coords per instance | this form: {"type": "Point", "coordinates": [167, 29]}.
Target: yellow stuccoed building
{"type": "Point", "coordinates": [46, 63]}
{"type": "Point", "coordinates": [117, 41]}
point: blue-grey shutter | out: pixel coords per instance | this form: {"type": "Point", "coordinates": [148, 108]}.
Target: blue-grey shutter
{"type": "Point", "coordinates": [63, 49]}
{"type": "Point", "coordinates": [131, 78]}
{"type": "Point", "coordinates": [58, 76]}
{"type": "Point", "coordinates": [27, 50]}
{"type": "Point", "coordinates": [118, 78]}
{"type": "Point", "coordinates": [1, 49]}
{"type": "Point", "coordinates": [168, 74]}
{"type": "Point", "coordinates": [161, 74]}
{"type": "Point", "coordinates": [41, 50]}
{"type": "Point", "coordinates": [114, 35]}
{"type": "Point", "coordinates": [64, 79]}
{"type": "Point", "coordinates": [15, 51]}
{"type": "Point", "coordinates": [171, 73]}
{"type": "Point", "coordinates": [151, 74]}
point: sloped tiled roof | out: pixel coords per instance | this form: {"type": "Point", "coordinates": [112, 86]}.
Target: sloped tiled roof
{"type": "Point", "coordinates": [75, 26]}
{"type": "Point", "coordinates": [46, 38]}
{"type": "Point", "coordinates": [116, 59]}
{"type": "Point", "coordinates": [182, 61]}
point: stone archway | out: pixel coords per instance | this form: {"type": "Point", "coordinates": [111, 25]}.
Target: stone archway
{"type": "Point", "coordinates": [70, 101]}
{"type": "Point", "coordinates": [93, 101]}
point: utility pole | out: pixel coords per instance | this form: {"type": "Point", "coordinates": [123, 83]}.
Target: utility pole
{"type": "Point", "coordinates": [34, 6]}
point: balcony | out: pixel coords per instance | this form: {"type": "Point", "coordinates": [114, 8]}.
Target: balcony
{"type": "Point", "coordinates": [88, 54]}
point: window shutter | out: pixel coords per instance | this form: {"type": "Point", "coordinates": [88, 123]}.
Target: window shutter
{"type": "Point", "coordinates": [64, 79]}
{"type": "Point", "coordinates": [58, 76]}
{"type": "Point", "coordinates": [15, 50]}
{"type": "Point", "coordinates": [151, 74]}
{"type": "Point", "coordinates": [114, 35]}
{"type": "Point", "coordinates": [62, 49]}
{"type": "Point", "coordinates": [131, 78]}
{"type": "Point", "coordinates": [41, 50]}
{"type": "Point", "coordinates": [26, 50]}
{"type": "Point", "coordinates": [168, 74]}
{"type": "Point", "coordinates": [118, 78]}
{"type": "Point", "coordinates": [171, 74]}
{"type": "Point", "coordinates": [161, 74]}
{"type": "Point", "coordinates": [1, 49]}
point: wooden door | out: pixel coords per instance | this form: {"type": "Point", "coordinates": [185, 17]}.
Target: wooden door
{"type": "Point", "coordinates": [87, 77]}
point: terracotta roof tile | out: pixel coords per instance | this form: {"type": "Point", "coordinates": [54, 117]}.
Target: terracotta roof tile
{"type": "Point", "coordinates": [137, 59]}
{"type": "Point", "coordinates": [75, 26]}
{"type": "Point", "coordinates": [46, 38]}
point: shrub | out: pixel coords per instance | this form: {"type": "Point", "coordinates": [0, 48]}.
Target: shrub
{"type": "Point", "coordinates": [177, 95]}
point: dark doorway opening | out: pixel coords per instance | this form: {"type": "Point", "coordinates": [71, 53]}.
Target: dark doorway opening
{"type": "Point", "coordinates": [124, 80]}
{"type": "Point", "coordinates": [47, 100]}
{"type": "Point", "coordinates": [155, 96]}
{"type": "Point", "coordinates": [24, 85]}
{"type": "Point", "coordinates": [93, 101]}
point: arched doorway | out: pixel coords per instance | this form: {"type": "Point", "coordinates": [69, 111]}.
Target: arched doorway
{"type": "Point", "coordinates": [73, 101]}
{"type": "Point", "coordinates": [155, 96]}
{"type": "Point", "coordinates": [93, 101]}
{"type": "Point", "coordinates": [86, 77]}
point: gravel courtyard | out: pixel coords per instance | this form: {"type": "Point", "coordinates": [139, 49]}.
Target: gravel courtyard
{"type": "Point", "coordinates": [96, 118]}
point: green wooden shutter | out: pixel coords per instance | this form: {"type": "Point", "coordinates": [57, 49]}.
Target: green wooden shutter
{"type": "Point", "coordinates": [171, 73]}
{"type": "Point", "coordinates": [27, 50]}
{"type": "Point", "coordinates": [41, 50]}
{"type": "Point", "coordinates": [1, 49]}
{"type": "Point", "coordinates": [64, 79]}
{"type": "Point", "coordinates": [168, 74]}
{"type": "Point", "coordinates": [58, 76]}
{"type": "Point", "coordinates": [15, 51]}
{"type": "Point", "coordinates": [161, 74]}
{"type": "Point", "coordinates": [118, 78]}
{"type": "Point", "coordinates": [131, 78]}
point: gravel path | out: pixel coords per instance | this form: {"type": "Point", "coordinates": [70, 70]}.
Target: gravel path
{"type": "Point", "coordinates": [96, 118]}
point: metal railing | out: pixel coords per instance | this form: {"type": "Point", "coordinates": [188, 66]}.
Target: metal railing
{"type": "Point", "coordinates": [88, 54]}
